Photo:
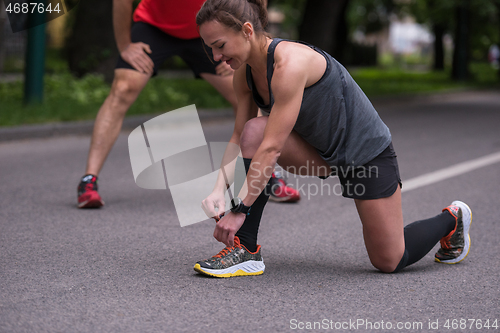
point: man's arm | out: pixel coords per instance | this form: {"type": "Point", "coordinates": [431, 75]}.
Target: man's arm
{"type": "Point", "coordinates": [122, 14]}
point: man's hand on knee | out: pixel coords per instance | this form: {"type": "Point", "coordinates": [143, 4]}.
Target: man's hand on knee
{"type": "Point", "coordinates": [136, 55]}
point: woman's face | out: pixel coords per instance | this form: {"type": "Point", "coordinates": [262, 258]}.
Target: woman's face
{"type": "Point", "coordinates": [226, 44]}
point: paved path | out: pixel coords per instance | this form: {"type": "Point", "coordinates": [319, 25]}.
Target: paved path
{"type": "Point", "coordinates": [128, 267]}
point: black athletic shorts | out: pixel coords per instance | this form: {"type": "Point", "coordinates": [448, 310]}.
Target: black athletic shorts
{"type": "Point", "coordinates": [377, 179]}
{"type": "Point", "coordinates": [196, 55]}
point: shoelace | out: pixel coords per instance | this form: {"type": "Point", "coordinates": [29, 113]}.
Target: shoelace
{"type": "Point", "coordinates": [226, 250]}
{"type": "Point", "coordinates": [223, 252]}
{"type": "Point", "coordinates": [445, 243]}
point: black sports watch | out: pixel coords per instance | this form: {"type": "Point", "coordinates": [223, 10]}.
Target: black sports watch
{"type": "Point", "coordinates": [237, 206]}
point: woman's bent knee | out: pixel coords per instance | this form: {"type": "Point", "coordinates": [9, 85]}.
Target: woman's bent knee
{"type": "Point", "coordinates": [390, 265]}
{"type": "Point", "coordinates": [252, 135]}
{"type": "Point", "coordinates": [386, 266]}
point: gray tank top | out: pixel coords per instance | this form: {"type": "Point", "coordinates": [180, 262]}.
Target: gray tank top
{"type": "Point", "coordinates": [335, 117]}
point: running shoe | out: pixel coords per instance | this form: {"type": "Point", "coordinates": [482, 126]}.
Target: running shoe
{"type": "Point", "coordinates": [455, 246]}
{"type": "Point", "coordinates": [87, 193]}
{"type": "Point", "coordinates": [232, 261]}
{"type": "Point", "coordinates": [280, 192]}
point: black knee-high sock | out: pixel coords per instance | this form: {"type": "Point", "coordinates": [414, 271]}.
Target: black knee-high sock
{"type": "Point", "coordinates": [421, 236]}
{"type": "Point", "coordinates": [248, 231]}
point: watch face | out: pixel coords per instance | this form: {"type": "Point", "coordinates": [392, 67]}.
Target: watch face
{"type": "Point", "coordinates": [235, 202]}
{"type": "Point", "coordinates": [237, 205]}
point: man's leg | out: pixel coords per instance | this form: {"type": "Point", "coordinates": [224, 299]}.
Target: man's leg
{"type": "Point", "coordinates": [127, 85]}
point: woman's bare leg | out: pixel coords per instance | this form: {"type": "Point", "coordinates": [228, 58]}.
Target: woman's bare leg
{"type": "Point", "coordinates": [383, 231]}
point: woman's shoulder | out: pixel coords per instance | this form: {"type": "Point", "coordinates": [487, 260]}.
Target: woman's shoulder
{"type": "Point", "coordinates": [293, 53]}
{"type": "Point", "coordinates": [301, 59]}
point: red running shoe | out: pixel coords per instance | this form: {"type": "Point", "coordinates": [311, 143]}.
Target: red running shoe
{"type": "Point", "coordinates": [87, 193]}
{"type": "Point", "coordinates": [280, 192]}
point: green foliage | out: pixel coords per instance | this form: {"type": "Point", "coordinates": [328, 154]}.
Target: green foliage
{"type": "Point", "coordinates": [70, 99]}
{"type": "Point", "coordinates": [395, 82]}
{"type": "Point", "coordinates": [54, 62]}
{"type": "Point", "coordinates": [484, 74]}
{"type": "Point", "coordinates": [167, 94]}
{"type": "Point", "coordinates": [484, 21]}
{"type": "Point", "coordinates": [64, 99]}
{"type": "Point", "coordinates": [369, 15]}
{"type": "Point", "coordinates": [431, 11]}
{"type": "Point", "coordinates": [485, 28]}
{"type": "Point", "coordinates": [13, 64]}
{"type": "Point", "coordinates": [293, 10]}
{"type": "Point", "coordinates": [376, 82]}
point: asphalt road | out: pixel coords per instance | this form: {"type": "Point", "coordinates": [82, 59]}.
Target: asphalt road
{"type": "Point", "coordinates": [129, 266]}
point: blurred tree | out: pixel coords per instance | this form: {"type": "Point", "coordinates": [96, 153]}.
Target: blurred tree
{"type": "Point", "coordinates": [370, 16]}
{"type": "Point", "coordinates": [324, 25]}
{"type": "Point", "coordinates": [435, 14]}
{"type": "Point", "coordinates": [461, 58]}
{"type": "Point", "coordinates": [497, 5]}
{"type": "Point", "coordinates": [91, 46]}
{"type": "Point", "coordinates": [476, 29]}
{"type": "Point", "coordinates": [293, 10]}
{"type": "Point", "coordinates": [2, 43]}
{"type": "Point", "coordinates": [474, 25]}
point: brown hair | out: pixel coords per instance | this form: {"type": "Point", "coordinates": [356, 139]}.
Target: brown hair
{"type": "Point", "coordinates": [234, 13]}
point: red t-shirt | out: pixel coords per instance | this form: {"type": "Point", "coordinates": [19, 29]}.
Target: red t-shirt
{"type": "Point", "coordinates": [175, 17]}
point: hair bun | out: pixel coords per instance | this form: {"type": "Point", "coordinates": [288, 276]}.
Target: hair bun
{"type": "Point", "coordinates": [234, 13]}
{"type": "Point", "coordinates": [262, 10]}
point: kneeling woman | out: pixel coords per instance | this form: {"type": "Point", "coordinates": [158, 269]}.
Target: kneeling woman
{"type": "Point", "coordinates": [317, 121]}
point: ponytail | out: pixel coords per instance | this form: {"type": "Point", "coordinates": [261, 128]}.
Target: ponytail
{"type": "Point", "coordinates": [261, 8]}
{"type": "Point", "coordinates": [234, 13]}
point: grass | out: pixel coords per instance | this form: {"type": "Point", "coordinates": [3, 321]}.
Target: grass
{"type": "Point", "coordinates": [70, 99]}
{"type": "Point", "coordinates": [376, 82]}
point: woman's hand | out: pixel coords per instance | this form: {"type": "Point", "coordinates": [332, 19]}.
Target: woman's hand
{"type": "Point", "coordinates": [227, 227]}
{"type": "Point", "coordinates": [214, 205]}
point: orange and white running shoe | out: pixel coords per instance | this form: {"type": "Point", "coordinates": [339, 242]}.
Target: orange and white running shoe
{"type": "Point", "coordinates": [456, 245]}
{"type": "Point", "coordinates": [232, 261]}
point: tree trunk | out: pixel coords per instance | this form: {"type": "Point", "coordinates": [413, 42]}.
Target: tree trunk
{"type": "Point", "coordinates": [2, 43]}
{"type": "Point", "coordinates": [438, 47]}
{"type": "Point", "coordinates": [340, 34]}
{"type": "Point", "coordinates": [460, 70]}
{"type": "Point", "coordinates": [498, 13]}
{"type": "Point", "coordinates": [323, 23]}
{"type": "Point", "coordinates": [91, 46]}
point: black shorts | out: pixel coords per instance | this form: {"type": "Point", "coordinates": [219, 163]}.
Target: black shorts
{"type": "Point", "coordinates": [377, 179]}
{"type": "Point", "coordinates": [196, 55]}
